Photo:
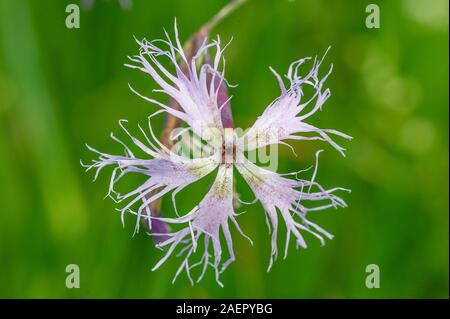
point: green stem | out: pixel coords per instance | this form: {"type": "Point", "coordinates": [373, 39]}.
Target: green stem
{"type": "Point", "coordinates": [224, 12]}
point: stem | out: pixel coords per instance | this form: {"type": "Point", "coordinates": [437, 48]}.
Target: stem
{"type": "Point", "coordinates": [224, 12]}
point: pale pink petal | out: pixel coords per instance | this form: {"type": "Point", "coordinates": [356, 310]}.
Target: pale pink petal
{"type": "Point", "coordinates": [197, 89]}
{"type": "Point", "coordinates": [284, 117]}
{"type": "Point", "coordinates": [214, 213]}
{"type": "Point", "coordinates": [166, 172]}
{"type": "Point", "coordinates": [292, 198]}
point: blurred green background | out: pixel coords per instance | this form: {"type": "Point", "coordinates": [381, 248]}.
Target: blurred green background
{"type": "Point", "coordinates": [61, 88]}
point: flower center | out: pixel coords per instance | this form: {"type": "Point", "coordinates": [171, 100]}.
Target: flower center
{"type": "Point", "coordinates": [228, 152]}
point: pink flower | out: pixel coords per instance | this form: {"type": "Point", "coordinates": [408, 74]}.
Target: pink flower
{"type": "Point", "coordinates": [217, 148]}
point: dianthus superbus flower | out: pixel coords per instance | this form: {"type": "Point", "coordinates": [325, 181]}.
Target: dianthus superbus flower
{"type": "Point", "coordinates": [286, 198]}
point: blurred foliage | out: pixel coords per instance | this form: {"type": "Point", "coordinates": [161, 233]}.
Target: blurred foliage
{"type": "Point", "coordinates": [60, 88]}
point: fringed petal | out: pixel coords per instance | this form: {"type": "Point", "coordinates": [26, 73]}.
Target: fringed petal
{"type": "Point", "coordinates": [196, 86]}
{"type": "Point", "coordinates": [214, 213]}
{"type": "Point", "coordinates": [166, 172]}
{"type": "Point", "coordinates": [292, 199]}
{"type": "Point", "coordinates": [284, 117]}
